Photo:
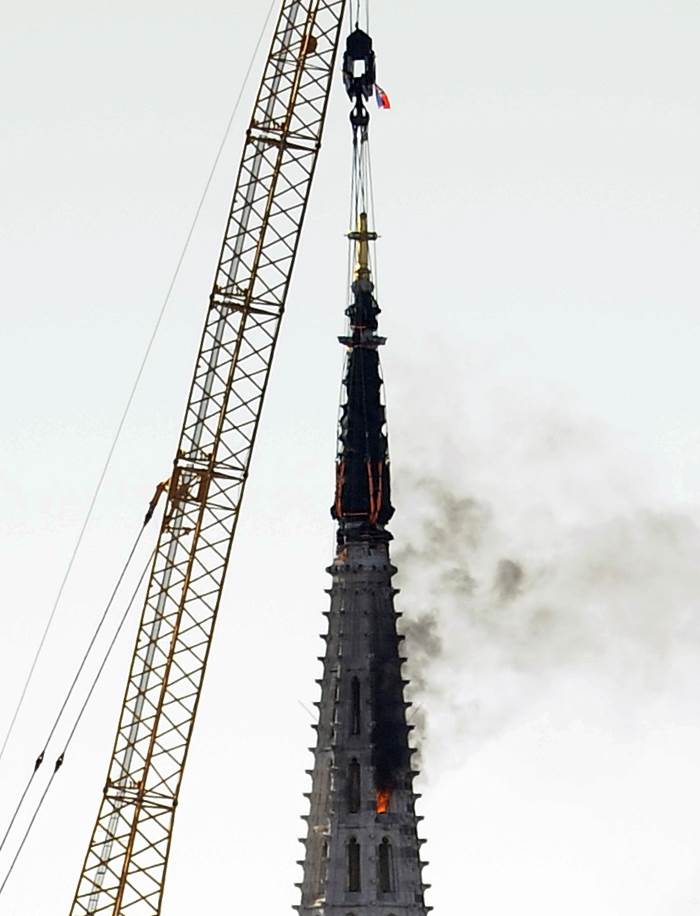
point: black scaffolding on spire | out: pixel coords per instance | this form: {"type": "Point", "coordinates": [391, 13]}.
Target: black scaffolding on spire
{"type": "Point", "coordinates": [362, 504]}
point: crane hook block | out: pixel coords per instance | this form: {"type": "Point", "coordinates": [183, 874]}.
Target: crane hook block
{"type": "Point", "coordinates": [359, 68]}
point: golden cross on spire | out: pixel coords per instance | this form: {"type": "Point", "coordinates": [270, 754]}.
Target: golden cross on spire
{"type": "Point", "coordinates": [363, 237]}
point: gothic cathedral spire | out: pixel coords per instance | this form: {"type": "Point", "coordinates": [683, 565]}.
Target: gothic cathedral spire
{"type": "Point", "coordinates": [362, 852]}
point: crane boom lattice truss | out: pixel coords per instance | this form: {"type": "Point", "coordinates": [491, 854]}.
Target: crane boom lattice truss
{"type": "Point", "coordinates": [126, 861]}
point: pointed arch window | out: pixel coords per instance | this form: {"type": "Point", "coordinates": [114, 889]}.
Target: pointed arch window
{"type": "Point", "coordinates": [354, 786]}
{"type": "Point", "coordinates": [354, 877]}
{"type": "Point", "coordinates": [355, 719]}
{"type": "Point", "coordinates": [385, 866]}
{"type": "Point", "coordinates": [322, 868]}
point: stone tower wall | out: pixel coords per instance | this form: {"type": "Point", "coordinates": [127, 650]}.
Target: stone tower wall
{"type": "Point", "coordinates": [360, 862]}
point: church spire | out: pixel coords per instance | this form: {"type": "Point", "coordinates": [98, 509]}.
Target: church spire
{"type": "Point", "coordinates": [362, 852]}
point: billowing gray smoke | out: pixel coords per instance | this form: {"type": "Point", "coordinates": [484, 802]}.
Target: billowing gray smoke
{"type": "Point", "coordinates": [550, 585]}
{"type": "Point", "coordinates": [498, 611]}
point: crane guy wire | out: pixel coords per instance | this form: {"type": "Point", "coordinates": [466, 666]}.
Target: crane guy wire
{"type": "Point", "coordinates": [132, 393]}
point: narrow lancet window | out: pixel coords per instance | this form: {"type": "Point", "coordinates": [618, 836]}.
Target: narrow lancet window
{"type": "Point", "coordinates": [354, 786]}
{"type": "Point", "coordinates": [353, 865]}
{"type": "Point", "coordinates": [355, 697]}
{"type": "Point", "coordinates": [385, 867]}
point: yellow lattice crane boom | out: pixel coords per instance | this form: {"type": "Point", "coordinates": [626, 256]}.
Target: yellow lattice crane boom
{"type": "Point", "coordinates": [125, 866]}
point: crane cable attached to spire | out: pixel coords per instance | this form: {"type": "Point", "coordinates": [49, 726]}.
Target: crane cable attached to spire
{"type": "Point", "coordinates": [362, 500]}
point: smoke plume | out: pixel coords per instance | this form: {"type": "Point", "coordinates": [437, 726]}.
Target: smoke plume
{"type": "Point", "coordinates": [550, 591]}
{"type": "Point", "coordinates": [496, 617]}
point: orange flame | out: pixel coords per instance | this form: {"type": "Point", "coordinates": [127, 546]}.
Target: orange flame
{"type": "Point", "coordinates": [383, 799]}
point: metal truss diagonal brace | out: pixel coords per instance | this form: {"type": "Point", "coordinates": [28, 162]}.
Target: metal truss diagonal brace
{"type": "Point", "coordinates": [125, 866]}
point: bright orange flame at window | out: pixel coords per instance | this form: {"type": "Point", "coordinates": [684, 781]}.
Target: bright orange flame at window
{"type": "Point", "coordinates": [383, 799]}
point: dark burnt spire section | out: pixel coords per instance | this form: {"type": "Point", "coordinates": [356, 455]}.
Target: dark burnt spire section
{"type": "Point", "coordinates": [362, 504]}
{"type": "Point", "coordinates": [363, 487]}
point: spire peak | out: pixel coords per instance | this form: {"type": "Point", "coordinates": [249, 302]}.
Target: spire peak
{"type": "Point", "coordinates": [362, 504]}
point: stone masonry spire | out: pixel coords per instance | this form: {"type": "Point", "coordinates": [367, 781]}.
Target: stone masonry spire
{"type": "Point", "coordinates": [362, 852]}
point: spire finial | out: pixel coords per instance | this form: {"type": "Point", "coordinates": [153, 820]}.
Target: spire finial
{"type": "Point", "coordinates": [362, 237]}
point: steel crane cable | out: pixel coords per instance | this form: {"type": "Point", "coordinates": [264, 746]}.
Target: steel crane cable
{"type": "Point", "coordinates": [375, 265]}
{"type": "Point", "coordinates": [370, 185]}
{"type": "Point", "coordinates": [360, 179]}
{"type": "Point", "coordinates": [132, 393]}
{"type": "Point", "coordinates": [355, 19]}
{"type": "Point", "coordinates": [352, 226]}
{"type": "Point", "coordinates": [360, 207]}
{"type": "Point", "coordinates": [61, 757]}
{"type": "Point", "coordinates": [86, 654]}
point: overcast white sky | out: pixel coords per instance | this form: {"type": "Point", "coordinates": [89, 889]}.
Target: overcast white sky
{"type": "Point", "coordinates": [538, 196]}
